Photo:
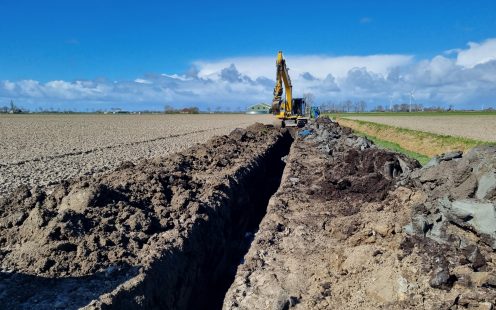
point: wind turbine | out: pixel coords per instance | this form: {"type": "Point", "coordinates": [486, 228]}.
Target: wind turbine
{"type": "Point", "coordinates": [411, 97]}
{"type": "Point", "coordinates": [390, 103]}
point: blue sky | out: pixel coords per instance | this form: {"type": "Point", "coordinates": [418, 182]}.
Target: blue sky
{"type": "Point", "coordinates": [144, 54]}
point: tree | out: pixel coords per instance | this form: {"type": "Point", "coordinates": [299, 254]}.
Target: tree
{"type": "Point", "coordinates": [309, 98]}
{"type": "Point", "coordinates": [362, 106]}
{"type": "Point", "coordinates": [404, 107]}
{"type": "Point", "coordinates": [348, 105]}
{"type": "Point", "coordinates": [379, 108]}
{"type": "Point", "coordinates": [14, 108]}
{"type": "Point", "coordinates": [356, 107]}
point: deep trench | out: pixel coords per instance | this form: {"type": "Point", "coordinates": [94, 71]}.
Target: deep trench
{"type": "Point", "coordinates": [198, 273]}
{"type": "Point", "coordinates": [248, 206]}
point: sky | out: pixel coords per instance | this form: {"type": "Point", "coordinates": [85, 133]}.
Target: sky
{"type": "Point", "coordinates": [136, 55]}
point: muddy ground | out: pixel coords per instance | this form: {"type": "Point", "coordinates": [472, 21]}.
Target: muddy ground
{"type": "Point", "coordinates": [328, 221]}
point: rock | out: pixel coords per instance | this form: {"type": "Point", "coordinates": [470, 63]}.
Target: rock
{"type": "Point", "coordinates": [362, 143]}
{"type": "Point", "coordinates": [77, 200]}
{"type": "Point", "coordinates": [481, 217]}
{"type": "Point", "coordinates": [486, 185]}
{"type": "Point", "coordinates": [440, 278]}
{"type": "Point", "coordinates": [443, 157]}
{"type": "Point", "coordinates": [418, 225]}
{"type": "Point", "coordinates": [450, 155]}
{"type": "Point", "coordinates": [466, 189]}
{"type": "Point", "coordinates": [474, 256]}
{"type": "Point", "coordinates": [433, 162]}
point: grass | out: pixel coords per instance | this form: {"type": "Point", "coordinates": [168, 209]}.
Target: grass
{"type": "Point", "coordinates": [419, 142]}
{"type": "Point", "coordinates": [430, 113]}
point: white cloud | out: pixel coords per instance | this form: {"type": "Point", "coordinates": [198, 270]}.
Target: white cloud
{"type": "Point", "coordinates": [318, 66]}
{"type": "Point", "coordinates": [142, 81]}
{"type": "Point", "coordinates": [477, 53]}
{"type": "Point", "coordinates": [462, 77]}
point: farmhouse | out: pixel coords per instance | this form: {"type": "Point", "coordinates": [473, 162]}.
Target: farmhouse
{"type": "Point", "coordinates": [260, 108]}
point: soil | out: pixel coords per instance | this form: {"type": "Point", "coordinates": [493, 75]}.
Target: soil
{"type": "Point", "coordinates": [336, 234]}
{"type": "Point", "coordinates": [263, 218]}
{"type": "Point", "coordinates": [175, 218]}
{"type": "Point", "coordinates": [46, 149]}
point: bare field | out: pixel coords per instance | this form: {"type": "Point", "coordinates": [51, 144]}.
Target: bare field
{"type": "Point", "coordinates": [43, 149]}
{"type": "Point", "coordinates": [478, 127]}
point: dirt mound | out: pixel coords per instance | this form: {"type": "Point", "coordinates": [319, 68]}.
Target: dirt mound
{"type": "Point", "coordinates": [355, 167]}
{"type": "Point", "coordinates": [323, 245]}
{"type": "Point", "coordinates": [106, 230]}
{"type": "Point", "coordinates": [454, 226]}
{"type": "Point", "coordinates": [348, 224]}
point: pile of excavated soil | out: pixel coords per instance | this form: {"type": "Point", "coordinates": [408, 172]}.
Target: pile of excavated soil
{"type": "Point", "coordinates": [349, 225]}
{"type": "Point", "coordinates": [356, 227]}
{"type": "Point", "coordinates": [167, 221]}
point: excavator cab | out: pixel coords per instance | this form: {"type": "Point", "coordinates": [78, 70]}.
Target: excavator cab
{"type": "Point", "coordinates": [299, 106]}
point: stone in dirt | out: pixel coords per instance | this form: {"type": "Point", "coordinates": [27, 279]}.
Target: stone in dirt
{"type": "Point", "coordinates": [361, 230]}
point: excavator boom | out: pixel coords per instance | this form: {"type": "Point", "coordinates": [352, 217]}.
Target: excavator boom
{"type": "Point", "coordinates": [289, 108]}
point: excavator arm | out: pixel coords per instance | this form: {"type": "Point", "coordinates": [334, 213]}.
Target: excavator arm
{"type": "Point", "coordinates": [288, 109]}
{"type": "Point", "coordinates": [280, 107]}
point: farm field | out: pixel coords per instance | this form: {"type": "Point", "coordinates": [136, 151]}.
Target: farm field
{"type": "Point", "coordinates": [479, 127]}
{"type": "Point", "coordinates": [44, 149]}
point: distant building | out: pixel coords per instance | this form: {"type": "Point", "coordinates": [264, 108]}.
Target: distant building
{"type": "Point", "coordinates": [260, 108]}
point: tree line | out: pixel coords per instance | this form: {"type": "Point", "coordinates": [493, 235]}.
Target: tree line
{"type": "Point", "coordinates": [190, 110]}
{"type": "Point", "coordinates": [343, 106]}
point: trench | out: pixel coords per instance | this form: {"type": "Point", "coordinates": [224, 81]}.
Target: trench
{"type": "Point", "coordinates": [198, 273]}
{"type": "Point", "coordinates": [247, 205]}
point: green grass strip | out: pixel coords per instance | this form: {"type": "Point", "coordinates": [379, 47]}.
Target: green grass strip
{"type": "Point", "coordinates": [422, 135]}
{"type": "Point", "coordinates": [429, 113]}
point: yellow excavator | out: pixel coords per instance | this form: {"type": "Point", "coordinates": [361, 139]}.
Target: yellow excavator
{"type": "Point", "coordinates": [289, 111]}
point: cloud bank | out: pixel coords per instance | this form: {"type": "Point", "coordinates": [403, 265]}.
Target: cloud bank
{"type": "Point", "coordinates": [465, 78]}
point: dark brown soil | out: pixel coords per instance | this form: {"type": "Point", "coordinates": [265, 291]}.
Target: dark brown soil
{"type": "Point", "coordinates": [196, 205]}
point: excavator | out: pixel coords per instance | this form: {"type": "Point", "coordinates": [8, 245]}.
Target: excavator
{"type": "Point", "coordinates": [289, 111]}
